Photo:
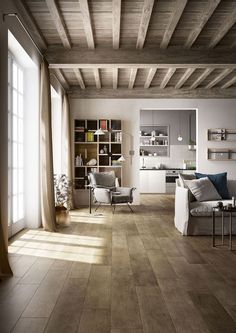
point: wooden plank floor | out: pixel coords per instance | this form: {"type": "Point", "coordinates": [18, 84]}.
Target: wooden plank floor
{"type": "Point", "coordinates": [119, 273]}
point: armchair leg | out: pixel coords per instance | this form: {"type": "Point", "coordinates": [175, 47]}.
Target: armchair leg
{"type": "Point", "coordinates": [97, 207]}
{"type": "Point", "coordinates": [113, 208]}
{"type": "Point", "coordinates": [130, 207]}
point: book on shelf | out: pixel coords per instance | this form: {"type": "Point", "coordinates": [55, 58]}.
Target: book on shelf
{"type": "Point", "coordinates": [90, 137]}
{"type": "Point", "coordinates": [104, 124]}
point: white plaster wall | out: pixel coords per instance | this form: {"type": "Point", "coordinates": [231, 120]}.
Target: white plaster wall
{"type": "Point", "coordinates": [210, 113]}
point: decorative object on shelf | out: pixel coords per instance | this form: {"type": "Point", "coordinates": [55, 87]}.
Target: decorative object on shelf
{"type": "Point", "coordinates": [99, 132]}
{"type": "Point", "coordinates": [92, 162]}
{"type": "Point", "coordinates": [78, 161]}
{"type": "Point", "coordinates": [62, 190]}
{"type": "Point", "coordinates": [105, 149]}
{"type": "Point", "coordinates": [121, 159]}
{"type": "Point", "coordinates": [101, 151]}
{"type": "Point", "coordinates": [191, 145]}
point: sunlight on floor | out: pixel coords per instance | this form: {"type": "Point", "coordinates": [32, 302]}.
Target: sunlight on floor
{"type": "Point", "coordinates": [59, 245]}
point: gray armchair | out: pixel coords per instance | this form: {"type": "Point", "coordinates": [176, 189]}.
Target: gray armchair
{"type": "Point", "coordinates": [105, 191]}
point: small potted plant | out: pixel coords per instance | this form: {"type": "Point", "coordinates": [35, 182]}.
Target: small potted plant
{"type": "Point", "coordinates": [62, 189]}
{"type": "Point", "coordinates": [191, 145]}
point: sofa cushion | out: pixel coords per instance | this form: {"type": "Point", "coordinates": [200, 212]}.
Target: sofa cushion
{"type": "Point", "coordinates": [219, 180]}
{"type": "Point", "coordinates": [182, 178]}
{"type": "Point", "coordinates": [205, 208]}
{"type": "Point", "coordinates": [203, 189]}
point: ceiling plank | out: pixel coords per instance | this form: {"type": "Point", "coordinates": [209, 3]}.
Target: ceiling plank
{"type": "Point", "coordinates": [146, 58]}
{"type": "Point", "coordinates": [152, 92]}
{"type": "Point", "coordinates": [201, 78]}
{"type": "Point", "coordinates": [61, 78]}
{"type": "Point", "coordinates": [59, 23]}
{"type": "Point", "coordinates": [115, 77]}
{"type": "Point", "coordinates": [219, 77]}
{"type": "Point", "coordinates": [150, 77]}
{"type": "Point", "coordinates": [229, 83]}
{"type": "Point", "coordinates": [205, 16]}
{"type": "Point", "coordinates": [176, 15]}
{"type": "Point", "coordinates": [79, 78]}
{"type": "Point", "coordinates": [31, 24]}
{"type": "Point", "coordinates": [167, 77]}
{"type": "Point", "coordinates": [144, 23]}
{"type": "Point", "coordinates": [97, 78]}
{"type": "Point", "coordinates": [132, 77]}
{"type": "Point", "coordinates": [116, 15]}
{"type": "Point", "coordinates": [223, 28]}
{"type": "Point", "coordinates": [84, 8]}
{"type": "Point", "coordinates": [184, 78]}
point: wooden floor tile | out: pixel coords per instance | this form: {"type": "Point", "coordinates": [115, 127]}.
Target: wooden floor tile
{"type": "Point", "coordinates": [32, 325]}
{"type": "Point", "coordinates": [95, 320]}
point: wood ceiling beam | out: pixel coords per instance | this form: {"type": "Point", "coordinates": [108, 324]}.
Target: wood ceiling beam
{"type": "Point", "coordinates": [59, 23]}
{"type": "Point", "coordinates": [97, 78]}
{"type": "Point", "coordinates": [202, 77]}
{"type": "Point", "coordinates": [229, 83]}
{"type": "Point", "coordinates": [146, 58]}
{"type": "Point", "coordinates": [205, 16]}
{"type": "Point", "coordinates": [184, 78]}
{"type": "Point", "coordinates": [31, 24]}
{"type": "Point", "coordinates": [219, 78]}
{"type": "Point", "coordinates": [116, 15]}
{"type": "Point", "coordinates": [132, 77]}
{"type": "Point", "coordinates": [61, 78]}
{"type": "Point", "coordinates": [151, 74]}
{"type": "Point", "coordinates": [167, 77]}
{"type": "Point", "coordinates": [144, 23]}
{"type": "Point", "coordinates": [79, 78]}
{"type": "Point", "coordinates": [176, 15]}
{"type": "Point", "coordinates": [88, 30]}
{"type": "Point", "coordinates": [223, 28]}
{"type": "Point", "coordinates": [152, 92]}
{"type": "Point", "coordinates": [115, 77]}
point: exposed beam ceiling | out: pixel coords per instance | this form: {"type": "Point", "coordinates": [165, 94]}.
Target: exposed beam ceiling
{"type": "Point", "coordinates": [115, 77]}
{"type": "Point", "coordinates": [144, 23]}
{"type": "Point", "coordinates": [61, 78]}
{"type": "Point", "coordinates": [152, 92]}
{"type": "Point", "coordinates": [179, 8]}
{"type": "Point", "coordinates": [97, 78]}
{"type": "Point", "coordinates": [167, 77]}
{"type": "Point", "coordinates": [59, 23]}
{"type": "Point", "coordinates": [116, 15]}
{"type": "Point", "coordinates": [84, 8]}
{"type": "Point", "coordinates": [146, 58]}
{"type": "Point", "coordinates": [132, 77]}
{"type": "Point", "coordinates": [223, 28]}
{"type": "Point", "coordinates": [185, 77]}
{"type": "Point", "coordinates": [229, 83]}
{"type": "Point", "coordinates": [79, 78]}
{"type": "Point", "coordinates": [151, 74]}
{"type": "Point", "coordinates": [201, 78]}
{"type": "Point", "coordinates": [206, 14]}
{"type": "Point", "coordinates": [219, 78]}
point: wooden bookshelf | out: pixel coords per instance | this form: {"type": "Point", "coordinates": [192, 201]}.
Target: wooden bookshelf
{"type": "Point", "coordinates": [105, 149]}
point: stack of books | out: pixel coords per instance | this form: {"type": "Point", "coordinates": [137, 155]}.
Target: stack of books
{"type": "Point", "coordinates": [90, 137]}
{"type": "Point", "coordinates": [104, 124]}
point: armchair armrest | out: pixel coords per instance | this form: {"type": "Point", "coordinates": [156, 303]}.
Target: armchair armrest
{"type": "Point", "coordinates": [181, 209]}
{"type": "Point", "coordinates": [126, 191]}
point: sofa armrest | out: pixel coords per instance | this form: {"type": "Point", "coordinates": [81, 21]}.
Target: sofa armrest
{"type": "Point", "coordinates": [181, 209]}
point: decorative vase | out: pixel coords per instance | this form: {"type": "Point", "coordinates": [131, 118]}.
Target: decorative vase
{"type": "Point", "coordinates": [62, 216]}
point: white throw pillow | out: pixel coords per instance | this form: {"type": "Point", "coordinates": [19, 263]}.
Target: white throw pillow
{"type": "Point", "coordinates": [203, 189]}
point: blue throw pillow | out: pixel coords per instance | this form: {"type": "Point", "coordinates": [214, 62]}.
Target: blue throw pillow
{"type": "Point", "coordinates": [219, 180]}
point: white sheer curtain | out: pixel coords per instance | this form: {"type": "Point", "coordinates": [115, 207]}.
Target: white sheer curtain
{"type": "Point", "coordinates": [66, 138]}
{"type": "Point", "coordinates": [46, 157]}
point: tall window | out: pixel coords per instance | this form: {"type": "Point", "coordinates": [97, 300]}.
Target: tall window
{"type": "Point", "coordinates": [16, 142]}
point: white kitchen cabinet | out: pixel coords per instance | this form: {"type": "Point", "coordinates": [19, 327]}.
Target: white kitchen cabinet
{"type": "Point", "coordinates": [152, 181]}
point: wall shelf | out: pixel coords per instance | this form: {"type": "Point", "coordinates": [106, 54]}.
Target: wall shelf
{"type": "Point", "coordinates": [221, 134]}
{"type": "Point", "coordinates": [221, 154]}
{"type": "Point", "coordinates": [161, 143]}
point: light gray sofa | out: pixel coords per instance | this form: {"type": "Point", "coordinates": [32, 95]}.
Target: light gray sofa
{"type": "Point", "coordinates": [195, 218]}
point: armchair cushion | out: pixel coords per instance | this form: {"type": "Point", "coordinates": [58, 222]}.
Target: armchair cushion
{"type": "Point", "coordinates": [103, 179]}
